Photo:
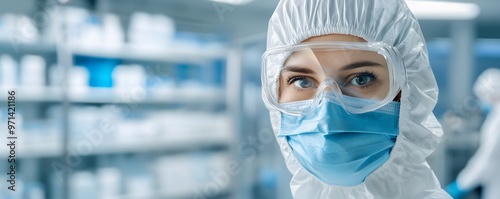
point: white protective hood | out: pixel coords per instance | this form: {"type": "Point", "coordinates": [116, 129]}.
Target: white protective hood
{"type": "Point", "coordinates": [487, 86]}
{"type": "Point", "coordinates": [406, 174]}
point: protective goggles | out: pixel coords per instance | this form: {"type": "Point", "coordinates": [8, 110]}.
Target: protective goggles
{"type": "Point", "coordinates": [360, 76]}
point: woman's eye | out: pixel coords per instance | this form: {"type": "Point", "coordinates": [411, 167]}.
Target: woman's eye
{"type": "Point", "coordinates": [303, 83]}
{"type": "Point", "coordinates": [362, 79]}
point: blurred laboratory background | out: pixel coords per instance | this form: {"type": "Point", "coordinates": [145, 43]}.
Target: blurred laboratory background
{"type": "Point", "coordinates": [161, 98]}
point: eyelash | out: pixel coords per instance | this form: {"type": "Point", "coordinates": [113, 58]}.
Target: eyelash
{"type": "Point", "coordinates": [372, 75]}
{"type": "Point", "coordinates": [292, 79]}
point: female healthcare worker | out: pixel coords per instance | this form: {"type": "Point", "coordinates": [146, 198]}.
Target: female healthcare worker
{"type": "Point", "coordinates": [484, 167]}
{"type": "Point", "coordinates": [350, 93]}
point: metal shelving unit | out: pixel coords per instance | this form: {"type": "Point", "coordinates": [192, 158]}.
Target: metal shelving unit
{"type": "Point", "coordinates": [108, 95]}
{"type": "Point", "coordinates": [58, 149]}
{"type": "Point", "coordinates": [174, 54]}
{"type": "Point", "coordinates": [16, 47]}
{"type": "Point", "coordinates": [177, 96]}
{"type": "Point", "coordinates": [145, 145]}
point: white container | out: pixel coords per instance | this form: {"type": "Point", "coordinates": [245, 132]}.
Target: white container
{"type": "Point", "coordinates": [8, 72]}
{"type": "Point", "coordinates": [176, 174]}
{"type": "Point", "coordinates": [151, 31]}
{"type": "Point", "coordinates": [27, 32]}
{"type": "Point", "coordinates": [78, 81]}
{"type": "Point", "coordinates": [113, 36]}
{"type": "Point", "coordinates": [9, 29]}
{"type": "Point", "coordinates": [129, 83]}
{"type": "Point", "coordinates": [83, 185]}
{"type": "Point", "coordinates": [140, 25]}
{"type": "Point", "coordinates": [129, 76]}
{"type": "Point", "coordinates": [139, 182]}
{"type": "Point", "coordinates": [32, 71]}
{"type": "Point", "coordinates": [109, 182]}
{"type": "Point", "coordinates": [34, 191]}
{"type": "Point", "coordinates": [92, 37]}
{"type": "Point", "coordinates": [163, 29]}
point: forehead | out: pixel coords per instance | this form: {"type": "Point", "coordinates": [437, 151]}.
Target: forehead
{"type": "Point", "coordinates": [325, 56]}
{"type": "Point", "coordinates": [329, 58]}
{"type": "Point", "coordinates": [332, 59]}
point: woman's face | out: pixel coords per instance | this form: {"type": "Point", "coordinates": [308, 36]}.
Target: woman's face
{"type": "Point", "coordinates": [358, 73]}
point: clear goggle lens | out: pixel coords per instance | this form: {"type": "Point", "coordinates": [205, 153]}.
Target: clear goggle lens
{"type": "Point", "coordinates": [344, 73]}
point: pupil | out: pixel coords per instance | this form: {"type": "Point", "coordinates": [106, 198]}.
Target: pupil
{"type": "Point", "coordinates": [361, 80]}
{"type": "Point", "coordinates": [304, 83]}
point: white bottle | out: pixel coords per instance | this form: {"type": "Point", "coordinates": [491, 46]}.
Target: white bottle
{"type": "Point", "coordinates": [163, 30]}
{"type": "Point", "coordinates": [92, 37]}
{"type": "Point", "coordinates": [9, 28]}
{"type": "Point", "coordinates": [140, 182]}
{"type": "Point", "coordinates": [33, 71]}
{"type": "Point", "coordinates": [83, 185]}
{"type": "Point", "coordinates": [74, 20]}
{"type": "Point", "coordinates": [139, 32]}
{"type": "Point", "coordinates": [129, 76]}
{"type": "Point", "coordinates": [8, 73]}
{"type": "Point", "coordinates": [26, 29]}
{"type": "Point", "coordinates": [129, 82]}
{"type": "Point", "coordinates": [112, 32]}
{"type": "Point", "coordinates": [79, 78]}
{"type": "Point", "coordinates": [109, 182]}
{"type": "Point", "coordinates": [35, 190]}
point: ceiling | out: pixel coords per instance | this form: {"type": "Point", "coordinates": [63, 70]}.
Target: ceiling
{"type": "Point", "coordinates": [251, 19]}
{"type": "Point", "coordinates": [487, 23]}
{"type": "Point", "coordinates": [245, 20]}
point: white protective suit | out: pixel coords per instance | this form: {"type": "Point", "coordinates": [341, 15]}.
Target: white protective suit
{"type": "Point", "coordinates": [406, 175]}
{"type": "Point", "coordinates": [484, 167]}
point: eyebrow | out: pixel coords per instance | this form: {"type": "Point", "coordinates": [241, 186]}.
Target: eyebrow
{"type": "Point", "coordinates": [298, 69]}
{"type": "Point", "coordinates": [360, 64]}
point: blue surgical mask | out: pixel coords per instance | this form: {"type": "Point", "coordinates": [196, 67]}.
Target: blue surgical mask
{"type": "Point", "coordinates": [340, 148]}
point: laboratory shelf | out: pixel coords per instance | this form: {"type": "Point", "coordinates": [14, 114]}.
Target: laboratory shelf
{"type": "Point", "coordinates": [139, 145]}
{"type": "Point", "coordinates": [153, 144]}
{"type": "Point", "coordinates": [174, 53]}
{"type": "Point", "coordinates": [18, 47]}
{"type": "Point", "coordinates": [33, 94]}
{"type": "Point", "coordinates": [35, 150]}
{"type": "Point", "coordinates": [166, 54]}
{"type": "Point", "coordinates": [114, 96]}
{"type": "Point", "coordinates": [153, 96]}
